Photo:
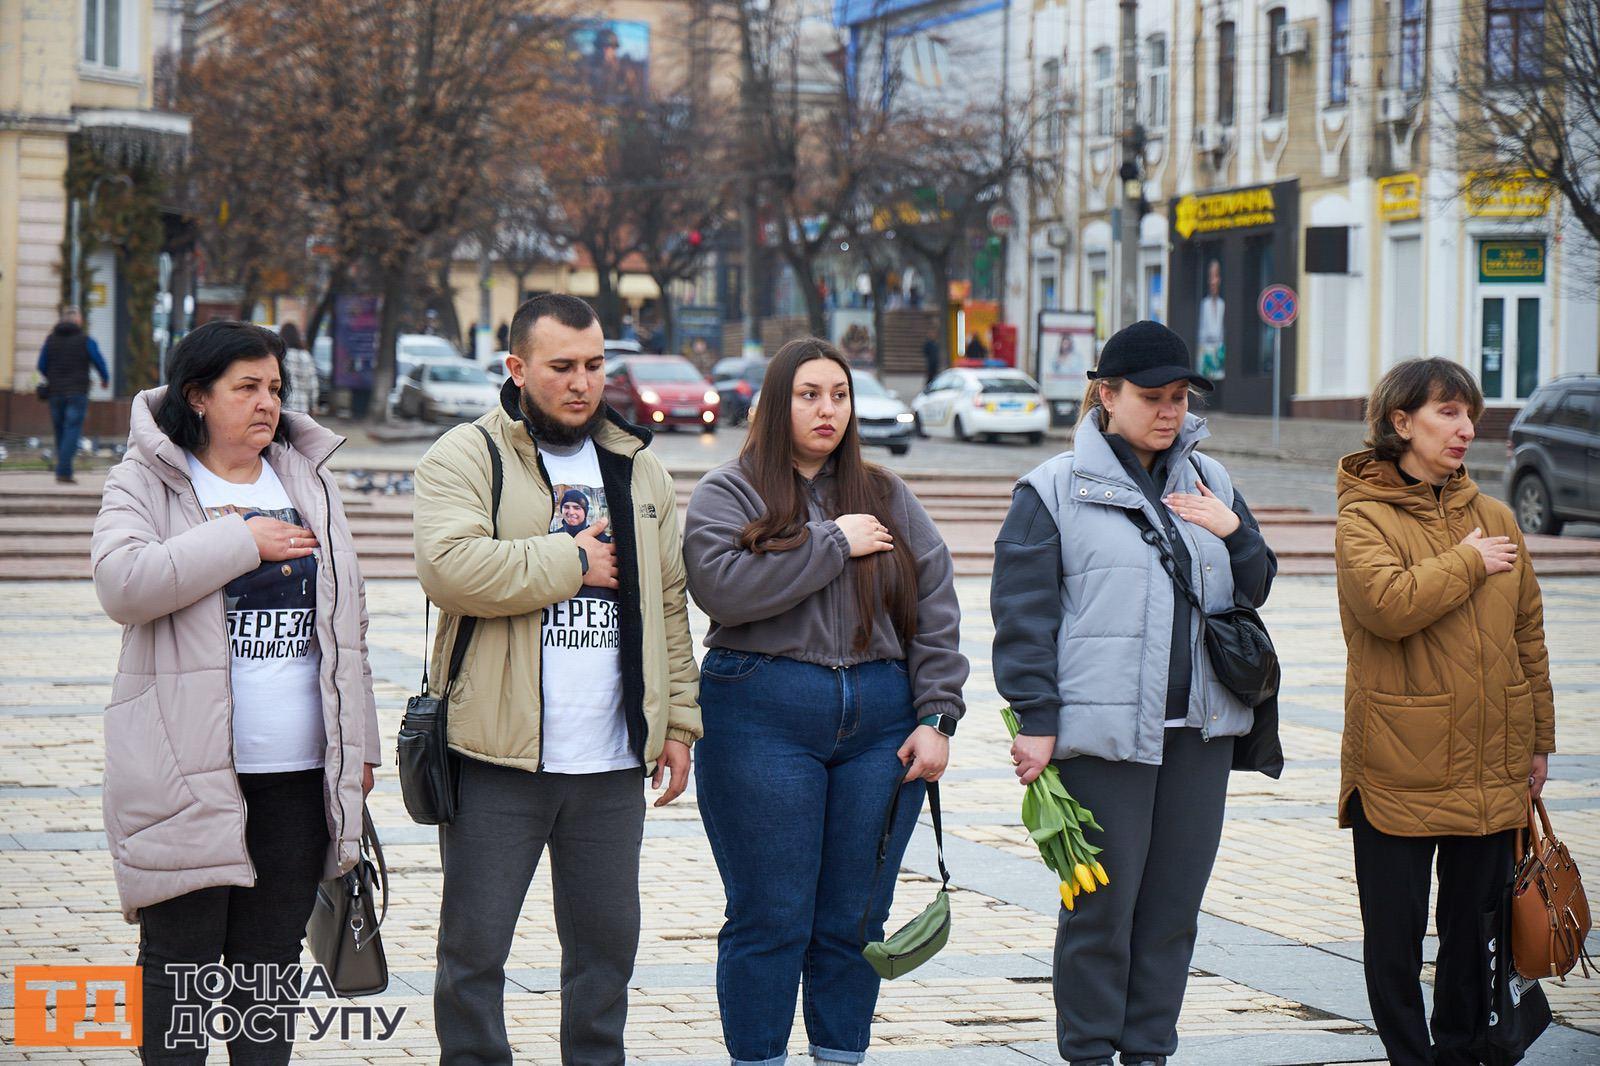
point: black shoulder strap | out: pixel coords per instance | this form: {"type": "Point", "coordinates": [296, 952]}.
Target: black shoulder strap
{"type": "Point", "coordinates": [1153, 537]}
{"type": "Point", "coordinates": [458, 652]}
{"type": "Point", "coordinates": [883, 848]}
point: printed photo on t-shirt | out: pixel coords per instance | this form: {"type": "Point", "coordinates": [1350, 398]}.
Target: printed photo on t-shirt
{"type": "Point", "coordinates": [589, 619]}
{"type": "Point", "coordinates": [272, 610]}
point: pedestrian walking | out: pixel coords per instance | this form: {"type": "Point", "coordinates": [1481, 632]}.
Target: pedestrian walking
{"type": "Point", "coordinates": [1449, 717]}
{"type": "Point", "coordinates": [579, 682]}
{"type": "Point", "coordinates": [242, 734]}
{"type": "Point", "coordinates": [833, 679]}
{"type": "Point", "coordinates": [64, 361]}
{"type": "Point", "coordinates": [300, 373]}
{"type": "Point", "coordinates": [1103, 662]}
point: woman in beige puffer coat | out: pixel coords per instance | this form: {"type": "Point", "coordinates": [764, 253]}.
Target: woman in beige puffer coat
{"type": "Point", "coordinates": [1449, 714]}
{"type": "Point", "coordinates": [242, 730]}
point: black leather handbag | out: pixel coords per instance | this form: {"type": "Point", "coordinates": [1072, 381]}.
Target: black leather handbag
{"type": "Point", "coordinates": [1236, 640]}
{"type": "Point", "coordinates": [429, 770]}
{"type": "Point", "coordinates": [343, 933]}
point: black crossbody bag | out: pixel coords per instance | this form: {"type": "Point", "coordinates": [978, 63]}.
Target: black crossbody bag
{"type": "Point", "coordinates": [429, 771]}
{"type": "Point", "coordinates": [1236, 640]}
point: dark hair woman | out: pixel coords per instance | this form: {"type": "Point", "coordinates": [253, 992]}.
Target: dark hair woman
{"type": "Point", "coordinates": [1103, 661]}
{"type": "Point", "coordinates": [834, 674]}
{"type": "Point", "coordinates": [242, 732]}
{"type": "Point", "coordinates": [1449, 719]}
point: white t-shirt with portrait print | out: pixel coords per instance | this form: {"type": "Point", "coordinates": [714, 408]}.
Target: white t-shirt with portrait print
{"type": "Point", "coordinates": [272, 636]}
{"type": "Point", "coordinates": [584, 728]}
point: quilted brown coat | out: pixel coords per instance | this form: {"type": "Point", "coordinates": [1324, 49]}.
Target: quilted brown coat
{"type": "Point", "coordinates": [1447, 691]}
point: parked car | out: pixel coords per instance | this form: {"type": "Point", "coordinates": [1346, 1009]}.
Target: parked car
{"type": "Point", "coordinates": [880, 415]}
{"type": "Point", "coordinates": [1553, 455]}
{"type": "Point", "coordinates": [968, 403]}
{"type": "Point", "coordinates": [737, 381]}
{"type": "Point", "coordinates": [446, 392]}
{"type": "Point", "coordinates": [496, 366]}
{"type": "Point", "coordinates": [414, 345]}
{"type": "Point", "coordinates": [407, 363]}
{"type": "Point", "coordinates": [662, 390]}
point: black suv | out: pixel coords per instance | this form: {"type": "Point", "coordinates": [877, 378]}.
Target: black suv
{"type": "Point", "coordinates": [1553, 455]}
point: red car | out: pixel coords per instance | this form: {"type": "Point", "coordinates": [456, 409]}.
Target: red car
{"type": "Point", "coordinates": [662, 390]}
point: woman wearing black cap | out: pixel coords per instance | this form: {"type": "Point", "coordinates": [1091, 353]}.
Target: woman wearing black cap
{"type": "Point", "coordinates": [1101, 658]}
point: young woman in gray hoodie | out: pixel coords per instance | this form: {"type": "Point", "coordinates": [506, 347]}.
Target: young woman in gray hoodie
{"type": "Point", "coordinates": [834, 678]}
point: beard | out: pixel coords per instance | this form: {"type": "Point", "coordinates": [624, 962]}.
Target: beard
{"type": "Point", "coordinates": [550, 431]}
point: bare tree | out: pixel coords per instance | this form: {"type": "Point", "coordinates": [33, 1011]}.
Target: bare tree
{"type": "Point", "coordinates": [1527, 103]}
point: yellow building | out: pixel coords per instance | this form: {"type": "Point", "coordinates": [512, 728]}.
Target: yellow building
{"type": "Point", "coordinates": [71, 72]}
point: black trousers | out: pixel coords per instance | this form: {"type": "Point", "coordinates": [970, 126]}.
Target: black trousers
{"type": "Point", "coordinates": [286, 833]}
{"type": "Point", "coordinates": [1393, 875]}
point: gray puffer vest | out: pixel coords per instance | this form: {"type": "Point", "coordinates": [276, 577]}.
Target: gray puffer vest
{"type": "Point", "coordinates": [1116, 634]}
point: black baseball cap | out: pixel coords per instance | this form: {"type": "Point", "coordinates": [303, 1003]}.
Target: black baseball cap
{"type": "Point", "coordinates": [1148, 354]}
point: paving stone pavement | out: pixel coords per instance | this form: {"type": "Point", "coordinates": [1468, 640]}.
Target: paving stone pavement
{"type": "Point", "coordinates": [1276, 976]}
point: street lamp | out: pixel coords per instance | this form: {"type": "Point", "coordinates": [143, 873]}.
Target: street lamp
{"type": "Point", "coordinates": [77, 242]}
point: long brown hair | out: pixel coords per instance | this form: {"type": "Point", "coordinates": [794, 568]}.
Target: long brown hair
{"type": "Point", "coordinates": [860, 487]}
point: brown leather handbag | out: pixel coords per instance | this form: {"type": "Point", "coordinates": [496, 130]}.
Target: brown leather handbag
{"type": "Point", "coordinates": [1549, 912]}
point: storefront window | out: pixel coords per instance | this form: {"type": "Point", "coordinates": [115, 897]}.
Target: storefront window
{"type": "Point", "coordinates": [1527, 346]}
{"type": "Point", "coordinates": [1492, 348]}
{"type": "Point", "coordinates": [1258, 250]}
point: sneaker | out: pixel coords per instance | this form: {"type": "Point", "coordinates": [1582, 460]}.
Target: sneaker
{"type": "Point", "coordinates": [1144, 1060]}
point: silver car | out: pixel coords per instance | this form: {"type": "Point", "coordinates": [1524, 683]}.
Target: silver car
{"type": "Point", "coordinates": [447, 392]}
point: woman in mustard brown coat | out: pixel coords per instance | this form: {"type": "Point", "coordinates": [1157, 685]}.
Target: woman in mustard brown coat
{"type": "Point", "coordinates": [1449, 719]}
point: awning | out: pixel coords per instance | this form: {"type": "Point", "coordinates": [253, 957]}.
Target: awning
{"type": "Point", "coordinates": [136, 136]}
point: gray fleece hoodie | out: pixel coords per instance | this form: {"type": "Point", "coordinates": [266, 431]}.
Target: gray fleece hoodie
{"type": "Point", "coordinates": [800, 604]}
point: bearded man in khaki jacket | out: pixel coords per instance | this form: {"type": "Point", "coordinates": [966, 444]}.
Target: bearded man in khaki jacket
{"type": "Point", "coordinates": [579, 681]}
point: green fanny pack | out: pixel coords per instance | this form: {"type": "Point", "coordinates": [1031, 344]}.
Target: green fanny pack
{"type": "Point", "coordinates": [921, 938]}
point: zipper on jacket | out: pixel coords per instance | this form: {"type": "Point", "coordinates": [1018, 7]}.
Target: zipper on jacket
{"type": "Point", "coordinates": [538, 631]}
{"type": "Point", "coordinates": [1483, 709]}
{"type": "Point", "coordinates": [338, 695]}
{"type": "Point", "coordinates": [227, 659]}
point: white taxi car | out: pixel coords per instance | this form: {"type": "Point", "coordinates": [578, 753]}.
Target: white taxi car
{"type": "Point", "coordinates": [965, 404]}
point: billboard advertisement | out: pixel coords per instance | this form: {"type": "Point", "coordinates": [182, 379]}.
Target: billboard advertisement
{"type": "Point", "coordinates": [613, 58]}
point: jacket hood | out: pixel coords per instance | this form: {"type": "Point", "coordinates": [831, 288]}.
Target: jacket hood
{"type": "Point", "coordinates": [614, 434]}
{"type": "Point", "coordinates": [148, 444]}
{"type": "Point", "coordinates": [1364, 477]}
{"type": "Point", "coordinates": [66, 329]}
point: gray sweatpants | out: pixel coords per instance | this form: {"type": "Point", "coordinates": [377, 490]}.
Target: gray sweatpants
{"type": "Point", "coordinates": [593, 825]}
{"type": "Point", "coordinates": [1122, 957]}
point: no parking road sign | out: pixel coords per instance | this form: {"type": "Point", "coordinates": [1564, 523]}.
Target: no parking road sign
{"type": "Point", "coordinates": [1279, 306]}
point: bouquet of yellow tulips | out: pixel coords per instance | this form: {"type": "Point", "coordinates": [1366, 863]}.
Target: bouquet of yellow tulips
{"type": "Point", "coordinates": [1056, 821]}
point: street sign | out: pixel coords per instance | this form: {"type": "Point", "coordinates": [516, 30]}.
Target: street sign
{"type": "Point", "coordinates": [1279, 306]}
{"type": "Point", "coordinates": [1001, 220]}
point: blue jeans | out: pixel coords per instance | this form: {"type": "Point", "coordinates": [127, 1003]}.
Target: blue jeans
{"type": "Point", "coordinates": [794, 779]}
{"type": "Point", "coordinates": [66, 416]}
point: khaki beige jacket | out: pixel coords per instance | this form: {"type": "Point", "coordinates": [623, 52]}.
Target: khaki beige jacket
{"type": "Point", "coordinates": [506, 582]}
{"type": "Point", "coordinates": [1447, 690]}
{"type": "Point", "coordinates": [174, 814]}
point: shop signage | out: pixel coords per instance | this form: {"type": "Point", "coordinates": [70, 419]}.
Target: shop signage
{"type": "Point", "coordinates": [1240, 209]}
{"type": "Point", "coordinates": [1511, 261]}
{"type": "Point", "coordinates": [1520, 194]}
{"type": "Point", "coordinates": [1400, 198]}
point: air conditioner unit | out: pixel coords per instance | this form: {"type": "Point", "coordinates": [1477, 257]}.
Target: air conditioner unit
{"type": "Point", "coordinates": [1394, 106]}
{"type": "Point", "coordinates": [1293, 40]}
{"type": "Point", "coordinates": [1210, 137]}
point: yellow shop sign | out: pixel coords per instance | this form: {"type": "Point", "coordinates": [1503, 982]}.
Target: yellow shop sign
{"type": "Point", "coordinates": [1400, 198]}
{"type": "Point", "coordinates": [1241, 209]}
{"type": "Point", "coordinates": [1519, 194]}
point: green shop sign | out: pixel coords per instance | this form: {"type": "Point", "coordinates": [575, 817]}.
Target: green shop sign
{"type": "Point", "coordinates": [1511, 261]}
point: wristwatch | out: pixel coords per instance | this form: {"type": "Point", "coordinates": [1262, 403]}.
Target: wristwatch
{"type": "Point", "coordinates": [944, 723]}
{"type": "Point", "coordinates": [583, 560]}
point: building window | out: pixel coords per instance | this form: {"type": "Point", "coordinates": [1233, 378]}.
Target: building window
{"type": "Point", "coordinates": [1411, 47]}
{"type": "Point", "coordinates": [1105, 93]}
{"type": "Point", "coordinates": [1050, 75]}
{"type": "Point", "coordinates": [102, 32]}
{"type": "Point", "coordinates": [1227, 54]}
{"type": "Point", "coordinates": [1155, 82]}
{"type": "Point", "coordinates": [1515, 40]}
{"type": "Point", "coordinates": [1338, 51]}
{"type": "Point", "coordinates": [1277, 63]}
